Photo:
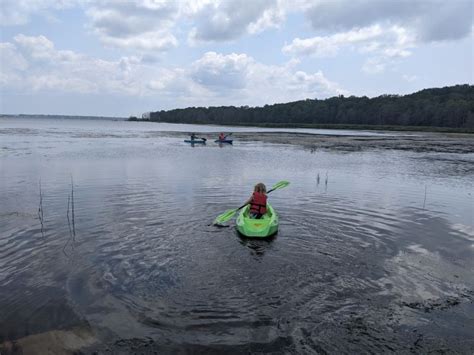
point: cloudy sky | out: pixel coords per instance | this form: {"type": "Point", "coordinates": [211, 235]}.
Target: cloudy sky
{"type": "Point", "coordinates": [117, 58]}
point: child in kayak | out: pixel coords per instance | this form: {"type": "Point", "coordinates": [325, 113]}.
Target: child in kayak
{"type": "Point", "coordinates": [222, 136]}
{"type": "Point", "coordinates": [258, 201]}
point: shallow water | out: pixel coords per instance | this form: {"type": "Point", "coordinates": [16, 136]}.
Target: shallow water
{"type": "Point", "coordinates": [375, 256]}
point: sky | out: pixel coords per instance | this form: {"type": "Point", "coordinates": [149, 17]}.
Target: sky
{"type": "Point", "coordinates": [122, 58]}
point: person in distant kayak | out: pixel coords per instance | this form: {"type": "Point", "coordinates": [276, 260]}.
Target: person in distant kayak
{"type": "Point", "coordinates": [258, 201]}
{"type": "Point", "coordinates": [222, 136]}
{"type": "Point", "coordinates": [193, 136]}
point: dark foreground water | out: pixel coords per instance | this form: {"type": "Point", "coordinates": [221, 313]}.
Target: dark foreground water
{"type": "Point", "coordinates": [376, 256]}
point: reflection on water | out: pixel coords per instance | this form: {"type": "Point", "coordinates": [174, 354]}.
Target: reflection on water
{"type": "Point", "coordinates": [362, 255]}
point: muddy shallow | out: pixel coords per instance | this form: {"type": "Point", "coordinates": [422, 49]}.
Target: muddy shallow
{"type": "Point", "coordinates": [352, 141]}
{"type": "Point", "coordinates": [375, 251]}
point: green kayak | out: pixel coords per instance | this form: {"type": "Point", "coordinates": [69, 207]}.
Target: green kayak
{"type": "Point", "coordinates": [258, 228]}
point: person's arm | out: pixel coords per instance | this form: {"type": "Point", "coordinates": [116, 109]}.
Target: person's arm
{"type": "Point", "coordinates": [249, 200]}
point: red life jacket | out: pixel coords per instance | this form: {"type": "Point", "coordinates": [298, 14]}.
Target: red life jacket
{"type": "Point", "coordinates": [259, 203]}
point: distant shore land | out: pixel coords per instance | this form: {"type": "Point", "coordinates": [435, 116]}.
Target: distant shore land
{"type": "Point", "coordinates": [448, 109]}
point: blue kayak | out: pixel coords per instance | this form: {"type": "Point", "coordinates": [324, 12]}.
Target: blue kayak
{"type": "Point", "coordinates": [229, 141]}
{"type": "Point", "coordinates": [195, 141]}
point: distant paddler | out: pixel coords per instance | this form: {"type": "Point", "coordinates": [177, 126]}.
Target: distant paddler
{"type": "Point", "coordinates": [195, 139]}
{"type": "Point", "coordinates": [223, 138]}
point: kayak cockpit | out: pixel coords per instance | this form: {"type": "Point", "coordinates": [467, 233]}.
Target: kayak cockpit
{"type": "Point", "coordinates": [265, 226]}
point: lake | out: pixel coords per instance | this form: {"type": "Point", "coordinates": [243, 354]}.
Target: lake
{"type": "Point", "coordinates": [105, 236]}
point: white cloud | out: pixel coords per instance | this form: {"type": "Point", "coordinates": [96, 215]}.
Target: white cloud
{"type": "Point", "coordinates": [11, 63]}
{"type": "Point", "coordinates": [34, 64]}
{"type": "Point", "coordinates": [240, 79]}
{"type": "Point", "coordinates": [18, 12]}
{"type": "Point", "coordinates": [152, 25]}
{"type": "Point", "coordinates": [223, 20]}
{"type": "Point", "coordinates": [271, 17]}
{"type": "Point", "coordinates": [150, 41]}
{"type": "Point", "coordinates": [314, 83]}
{"type": "Point", "coordinates": [46, 68]}
{"type": "Point", "coordinates": [329, 45]}
{"type": "Point", "coordinates": [429, 20]}
{"type": "Point", "coordinates": [409, 78]}
{"type": "Point", "coordinates": [222, 72]}
{"type": "Point", "coordinates": [384, 31]}
{"type": "Point", "coordinates": [383, 45]}
{"type": "Point", "coordinates": [139, 25]}
{"type": "Point", "coordinates": [374, 65]}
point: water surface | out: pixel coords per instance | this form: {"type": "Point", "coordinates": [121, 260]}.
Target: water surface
{"type": "Point", "coordinates": [375, 255]}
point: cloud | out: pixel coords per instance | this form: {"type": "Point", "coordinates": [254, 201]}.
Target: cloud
{"type": "Point", "coordinates": [45, 68]}
{"type": "Point", "coordinates": [152, 25]}
{"type": "Point", "coordinates": [139, 25]}
{"type": "Point", "coordinates": [409, 78]}
{"type": "Point", "coordinates": [223, 20]}
{"type": "Point", "coordinates": [18, 12]}
{"type": "Point", "coordinates": [12, 63]}
{"type": "Point", "coordinates": [242, 80]}
{"type": "Point", "coordinates": [33, 64]}
{"type": "Point", "coordinates": [383, 45]}
{"type": "Point", "coordinates": [374, 65]}
{"type": "Point", "coordinates": [429, 20]}
{"type": "Point", "coordinates": [219, 71]}
{"type": "Point", "coordinates": [314, 83]}
{"type": "Point", "coordinates": [329, 45]}
{"type": "Point", "coordinates": [385, 31]}
{"type": "Point", "coordinates": [447, 20]}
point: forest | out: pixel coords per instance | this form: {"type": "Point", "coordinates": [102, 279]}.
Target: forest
{"type": "Point", "coordinates": [451, 107]}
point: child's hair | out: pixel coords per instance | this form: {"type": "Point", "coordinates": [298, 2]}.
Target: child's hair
{"type": "Point", "coordinates": [260, 188]}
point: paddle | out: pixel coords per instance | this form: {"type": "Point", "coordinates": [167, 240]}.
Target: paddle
{"type": "Point", "coordinates": [224, 217]}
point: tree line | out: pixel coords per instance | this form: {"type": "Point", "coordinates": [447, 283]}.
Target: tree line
{"type": "Point", "coordinates": [437, 107]}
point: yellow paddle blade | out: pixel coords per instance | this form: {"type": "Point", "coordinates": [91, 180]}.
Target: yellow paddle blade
{"type": "Point", "coordinates": [279, 185]}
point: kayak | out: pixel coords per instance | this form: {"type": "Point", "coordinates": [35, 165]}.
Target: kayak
{"type": "Point", "coordinates": [257, 228]}
{"type": "Point", "coordinates": [195, 141]}
{"type": "Point", "coordinates": [229, 141]}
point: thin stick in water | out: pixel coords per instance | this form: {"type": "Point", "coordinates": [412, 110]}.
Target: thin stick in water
{"type": "Point", "coordinates": [40, 209]}
{"type": "Point", "coordinates": [424, 201]}
{"type": "Point", "coordinates": [69, 225]}
{"type": "Point", "coordinates": [72, 209]}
